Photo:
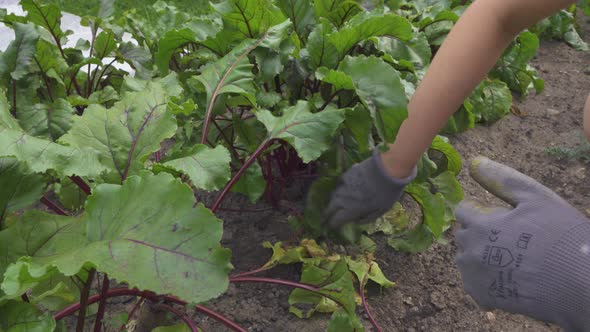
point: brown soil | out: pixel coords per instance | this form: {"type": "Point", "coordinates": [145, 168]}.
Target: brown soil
{"type": "Point", "coordinates": [429, 295]}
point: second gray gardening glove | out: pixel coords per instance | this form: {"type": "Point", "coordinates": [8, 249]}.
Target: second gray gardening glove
{"type": "Point", "coordinates": [365, 192]}
{"type": "Point", "coordinates": [532, 259]}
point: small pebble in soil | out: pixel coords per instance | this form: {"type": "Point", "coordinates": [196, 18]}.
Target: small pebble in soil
{"type": "Point", "coordinates": [552, 112]}
{"type": "Point", "coordinates": [437, 300]}
{"type": "Point", "coordinates": [490, 316]}
{"type": "Point", "coordinates": [580, 173]}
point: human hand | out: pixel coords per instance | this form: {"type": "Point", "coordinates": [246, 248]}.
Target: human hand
{"type": "Point", "coordinates": [532, 259]}
{"type": "Point", "coordinates": [364, 193]}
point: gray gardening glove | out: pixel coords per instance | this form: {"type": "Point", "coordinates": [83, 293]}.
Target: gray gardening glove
{"type": "Point", "coordinates": [533, 259]}
{"type": "Point", "coordinates": [365, 193]}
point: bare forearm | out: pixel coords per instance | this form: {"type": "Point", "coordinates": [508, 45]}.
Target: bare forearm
{"type": "Point", "coordinates": [467, 55]}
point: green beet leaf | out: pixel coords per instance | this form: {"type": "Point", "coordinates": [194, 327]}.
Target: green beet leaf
{"type": "Point", "coordinates": [41, 155]}
{"type": "Point", "coordinates": [18, 56]}
{"type": "Point", "coordinates": [432, 205]}
{"type": "Point", "coordinates": [20, 188]}
{"type": "Point", "coordinates": [366, 25]}
{"type": "Point", "coordinates": [454, 162]}
{"type": "Point", "coordinates": [50, 120]}
{"type": "Point", "coordinates": [461, 121]}
{"type": "Point", "coordinates": [251, 183]}
{"type": "Point", "coordinates": [126, 134]}
{"type": "Point", "coordinates": [380, 88]}
{"type": "Point", "coordinates": [194, 32]}
{"type": "Point", "coordinates": [19, 316]}
{"type": "Point", "coordinates": [206, 167]}
{"type": "Point", "coordinates": [334, 280]}
{"type": "Point", "coordinates": [414, 240]}
{"type": "Point", "coordinates": [360, 124]}
{"type": "Point", "coordinates": [309, 133]}
{"type": "Point", "coordinates": [108, 94]}
{"type": "Point", "coordinates": [249, 133]}
{"type": "Point", "coordinates": [169, 83]}
{"type": "Point", "coordinates": [490, 101]}
{"type": "Point", "coordinates": [320, 51]}
{"type": "Point", "coordinates": [46, 16]}
{"type": "Point", "coordinates": [250, 19]}
{"type": "Point", "coordinates": [301, 13]}
{"type": "Point", "coordinates": [268, 99]}
{"type": "Point", "coordinates": [36, 234]}
{"type": "Point", "coordinates": [338, 79]}
{"type": "Point", "coordinates": [337, 12]}
{"type": "Point", "coordinates": [437, 14]}
{"type": "Point", "coordinates": [394, 222]}
{"type": "Point", "coordinates": [341, 322]}
{"type": "Point", "coordinates": [233, 72]}
{"type": "Point", "coordinates": [55, 293]}
{"type": "Point", "coordinates": [104, 44]}
{"type": "Point", "coordinates": [144, 232]}
{"type": "Point", "coordinates": [562, 26]}
{"type": "Point", "coordinates": [284, 255]}
{"type": "Point", "coordinates": [331, 273]}
{"type": "Point", "coordinates": [274, 52]}
{"type": "Point", "coordinates": [446, 183]}
{"type": "Point", "coordinates": [416, 50]}
{"type": "Point", "coordinates": [365, 269]}
{"type": "Point", "coordinates": [70, 195]}
{"type": "Point", "coordinates": [147, 30]}
{"type": "Point", "coordinates": [513, 67]}
{"type": "Point", "coordinates": [179, 244]}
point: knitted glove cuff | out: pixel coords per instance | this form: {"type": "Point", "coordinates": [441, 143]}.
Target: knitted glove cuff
{"type": "Point", "coordinates": [378, 164]}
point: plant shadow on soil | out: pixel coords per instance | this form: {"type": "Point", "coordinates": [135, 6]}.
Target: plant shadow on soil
{"type": "Point", "coordinates": [429, 294]}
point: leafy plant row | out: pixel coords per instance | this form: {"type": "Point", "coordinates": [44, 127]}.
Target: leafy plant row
{"type": "Point", "coordinates": [245, 99]}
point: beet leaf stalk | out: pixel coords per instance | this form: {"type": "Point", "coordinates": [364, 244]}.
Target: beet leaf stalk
{"type": "Point", "coordinates": [366, 305]}
{"type": "Point", "coordinates": [240, 172]}
{"type": "Point", "coordinates": [115, 292]}
{"type": "Point", "coordinates": [84, 301]}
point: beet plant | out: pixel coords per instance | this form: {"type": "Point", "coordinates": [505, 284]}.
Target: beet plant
{"type": "Point", "coordinates": [99, 163]}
